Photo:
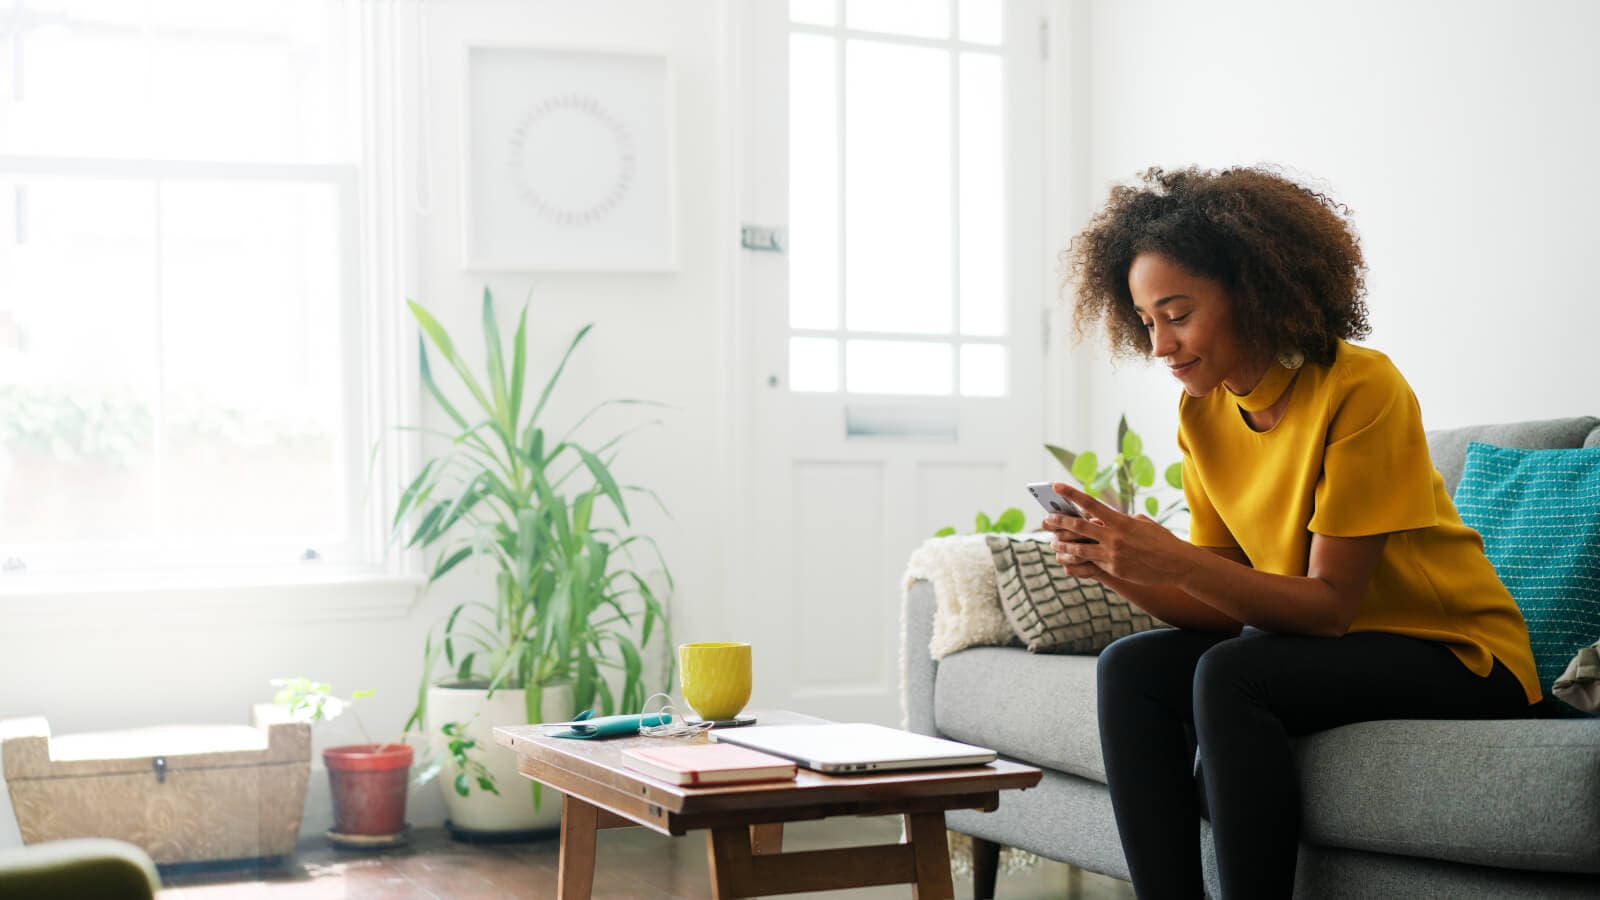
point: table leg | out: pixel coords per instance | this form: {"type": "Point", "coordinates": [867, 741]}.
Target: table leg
{"type": "Point", "coordinates": [575, 878]}
{"type": "Point", "coordinates": [925, 832]}
{"type": "Point", "coordinates": [728, 857]}
{"type": "Point", "coordinates": [765, 839]}
{"type": "Point", "coordinates": [985, 866]}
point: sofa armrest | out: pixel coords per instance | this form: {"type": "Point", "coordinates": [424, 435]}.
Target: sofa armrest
{"type": "Point", "coordinates": [917, 666]}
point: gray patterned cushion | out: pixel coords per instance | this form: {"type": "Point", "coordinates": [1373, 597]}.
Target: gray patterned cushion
{"type": "Point", "coordinates": [1053, 612]}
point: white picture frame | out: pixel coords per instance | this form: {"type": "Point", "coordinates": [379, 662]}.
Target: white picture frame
{"type": "Point", "coordinates": [567, 161]}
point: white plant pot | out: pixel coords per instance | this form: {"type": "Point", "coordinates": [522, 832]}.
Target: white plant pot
{"type": "Point", "coordinates": [511, 809]}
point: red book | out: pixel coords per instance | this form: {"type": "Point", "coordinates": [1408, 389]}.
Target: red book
{"type": "Point", "coordinates": [702, 764]}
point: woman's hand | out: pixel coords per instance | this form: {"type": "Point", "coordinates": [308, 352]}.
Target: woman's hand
{"type": "Point", "coordinates": [1132, 548]}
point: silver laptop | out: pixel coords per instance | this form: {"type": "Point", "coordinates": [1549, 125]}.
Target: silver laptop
{"type": "Point", "coordinates": [837, 747]}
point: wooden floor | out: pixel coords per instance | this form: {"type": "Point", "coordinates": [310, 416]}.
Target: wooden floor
{"type": "Point", "coordinates": [632, 864]}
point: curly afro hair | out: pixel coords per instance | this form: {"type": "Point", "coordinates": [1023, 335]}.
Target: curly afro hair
{"type": "Point", "coordinates": [1286, 254]}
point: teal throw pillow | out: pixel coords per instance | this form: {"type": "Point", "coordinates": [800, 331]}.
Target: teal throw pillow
{"type": "Point", "coordinates": [1539, 514]}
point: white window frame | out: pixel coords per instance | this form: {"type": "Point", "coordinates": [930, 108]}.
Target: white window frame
{"type": "Point", "coordinates": [360, 574]}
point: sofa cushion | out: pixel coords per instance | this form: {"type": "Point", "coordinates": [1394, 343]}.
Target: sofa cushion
{"type": "Point", "coordinates": [1539, 514]}
{"type": "Point", "coordinates": [1448, 447]}
{"type": "Point", "coordinates": [1051, 611]}
{"type": "Point", "coordinates": [1038, 709]}
{"type": "Point", "coordinates": [1523, 793]}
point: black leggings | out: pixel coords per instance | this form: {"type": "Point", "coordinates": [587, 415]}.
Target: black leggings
{"type": "Point", "coordinates": [1241, 699]}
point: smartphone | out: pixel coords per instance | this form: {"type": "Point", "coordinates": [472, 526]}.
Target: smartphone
{"type": "Point", "coordinates": [1045, 493]}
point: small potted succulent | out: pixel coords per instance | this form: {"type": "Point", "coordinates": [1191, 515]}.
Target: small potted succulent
{"type": "Point", "coordinates": [368, 780]}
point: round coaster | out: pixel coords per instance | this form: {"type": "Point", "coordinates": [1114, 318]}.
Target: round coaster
{"type": "Point", "coordinates": [722, 723]}
{"type": "Point", "coordinates": [370, 841]}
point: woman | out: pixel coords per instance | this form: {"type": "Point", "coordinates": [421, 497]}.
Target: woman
{"type": "Point", "coordinates": [1328, 578]}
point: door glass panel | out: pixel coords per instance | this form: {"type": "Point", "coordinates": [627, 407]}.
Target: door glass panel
{"type": "Point", "coordinates": [981, 21]}
{"type": "Point", "coordinates": [920, 18]}
{"type": "Point", "coordinates": [813, 364]}
{"type": "Point", "coordinates": [813, 182]}
{"type": "Point", "coordinates": [983, 183]}
{"type": "Point", "coordinates": [898, 367]}
{"type": "Point", "coordinates": [898, 180]}
{"type": "Point", "coordinates": [814, 12]}
{"type": "Point", "coordinates": [983, 370]}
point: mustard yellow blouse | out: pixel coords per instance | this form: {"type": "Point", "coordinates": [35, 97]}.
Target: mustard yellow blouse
{"type": "Point", "coordinates": [1349, 459]}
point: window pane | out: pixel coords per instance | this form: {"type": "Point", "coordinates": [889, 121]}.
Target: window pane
{"type": "Point", "coordinates": [814, 12]}
{"type": "Point", "coordinates": [813, 364]}
{"type": "Point", "coordinates": [813, 182]}
{"type": "Point", "coordinates": [252, 340]}
{"type": "Point", "coordinates": [922, 18]}
{"type": "Point", "coordinates": [180, 79]}
{"type": "Point", "coordinates": [898, 367]}
{"type": "Point", "coordinates": [82, 91]}
{"type": "Point", "coordinates": [983, 370]}
{"type": "Point", "coordinates": [78, 370]}
{"type": "Point", "coordinates": [981, 21]}
{"type": "Point", "coordinates": [898, 182]}
{"type": "Point", "coordinates": [983, 185]}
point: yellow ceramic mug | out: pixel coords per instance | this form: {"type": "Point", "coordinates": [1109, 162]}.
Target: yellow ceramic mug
{"type": "Point", "coordinates": [716, 678]}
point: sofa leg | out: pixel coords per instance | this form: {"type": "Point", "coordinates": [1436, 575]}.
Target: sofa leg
{"type": "Point", "coordinates": [985, 865]}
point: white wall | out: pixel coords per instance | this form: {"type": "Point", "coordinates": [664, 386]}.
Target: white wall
{"type": "Point", "coordinates": [661, 337]}
{"type": "Point", "coordinates": [1462, 133]}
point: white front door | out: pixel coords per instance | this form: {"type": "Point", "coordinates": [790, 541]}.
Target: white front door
{"type": "Point", "coordinates": [892, 344]}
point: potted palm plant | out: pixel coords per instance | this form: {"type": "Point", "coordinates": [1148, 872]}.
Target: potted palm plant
{"type": "Point", "coordinates": [563, 628]}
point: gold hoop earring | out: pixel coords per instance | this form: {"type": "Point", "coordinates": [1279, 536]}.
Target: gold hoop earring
{"type": "Point", "coordinates": [1291, 359]}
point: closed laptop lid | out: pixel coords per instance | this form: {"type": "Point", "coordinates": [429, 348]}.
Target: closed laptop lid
{"type": "Point", "coordinates": [854, 746]}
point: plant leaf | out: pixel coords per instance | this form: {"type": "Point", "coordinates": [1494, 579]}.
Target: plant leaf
{"type": "Point", "coordinates": [1122, 437]}
{"type": "Point", "coordinates": [602, 477]}
{"type": "Point", "coordinates": [1064, 456]}
{"type": "Point", "coordinates": [944, 532]}
{"type": "Point", "coordinates": [1011, 521]}
{"type": "Point", "coordinates": [1175, 475]}
{"type": "Point", "coordinates": [449, 562]}
{"type": "Point", "coordinates": [1152, 506]}
{"type": "Point", "coordinates": [982, 523]}
{"type": "Point", "coordinates": [1144, 471]}
{"type": "Point", "coordinates": [447, 349]}
{"type": "Point", "coordinates": [410, 492]}
{"type": "Point", "coordinates": [501, 411]}
{"type": "Point", "coordinates": [556, 376]}
{"type": "Point", "coordinates": [1085, 467]}
{"type": "Point", "coordinates": [519, 366]}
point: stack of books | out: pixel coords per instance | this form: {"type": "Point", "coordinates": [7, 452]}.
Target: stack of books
{"type": "Point", "coordinates": [702, 764]}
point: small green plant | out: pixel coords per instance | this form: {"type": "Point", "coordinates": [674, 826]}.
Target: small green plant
{"type": "Point", "coordinates": [468, 770]}
{"type": "Point", "coordinates": [1118, 484]}
{"type": "Point", "coordinates": [314, 701]}
{"type": "Point", "coordinates": [1011, 521]}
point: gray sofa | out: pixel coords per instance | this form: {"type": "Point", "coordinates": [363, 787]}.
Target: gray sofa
{"type": "Point", "coordinates": [1390, 809]}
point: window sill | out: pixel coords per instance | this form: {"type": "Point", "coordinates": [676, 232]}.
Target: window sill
{"type": "Point", "coordinates": [192, 598]}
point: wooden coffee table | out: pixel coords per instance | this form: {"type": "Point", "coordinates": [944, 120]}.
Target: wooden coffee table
{"type": "Point", "coordinates": [744, 843]}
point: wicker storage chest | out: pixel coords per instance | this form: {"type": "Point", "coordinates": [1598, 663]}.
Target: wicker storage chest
{"type": "Point", "coordinates": [186, 793]}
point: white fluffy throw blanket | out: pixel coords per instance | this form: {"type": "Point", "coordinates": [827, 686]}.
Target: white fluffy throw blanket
{"type": "Point", "coordinates": [967, 601]}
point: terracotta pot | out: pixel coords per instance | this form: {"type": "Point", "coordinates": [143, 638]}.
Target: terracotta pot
{"type": "Point", "coordinates": [369, 787]}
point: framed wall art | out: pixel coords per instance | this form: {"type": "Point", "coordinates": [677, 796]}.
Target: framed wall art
{"type": "Point", "coordinates": [567, 160]}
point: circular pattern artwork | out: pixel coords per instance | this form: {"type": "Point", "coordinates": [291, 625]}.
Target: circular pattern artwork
{"type": "Point", "coordinates": [567, 161]}
{"type": "Point", "coordinates": [568, 126]}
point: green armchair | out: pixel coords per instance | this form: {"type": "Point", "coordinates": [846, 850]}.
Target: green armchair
{"type": "Point", "coordinates": [81, 868]}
